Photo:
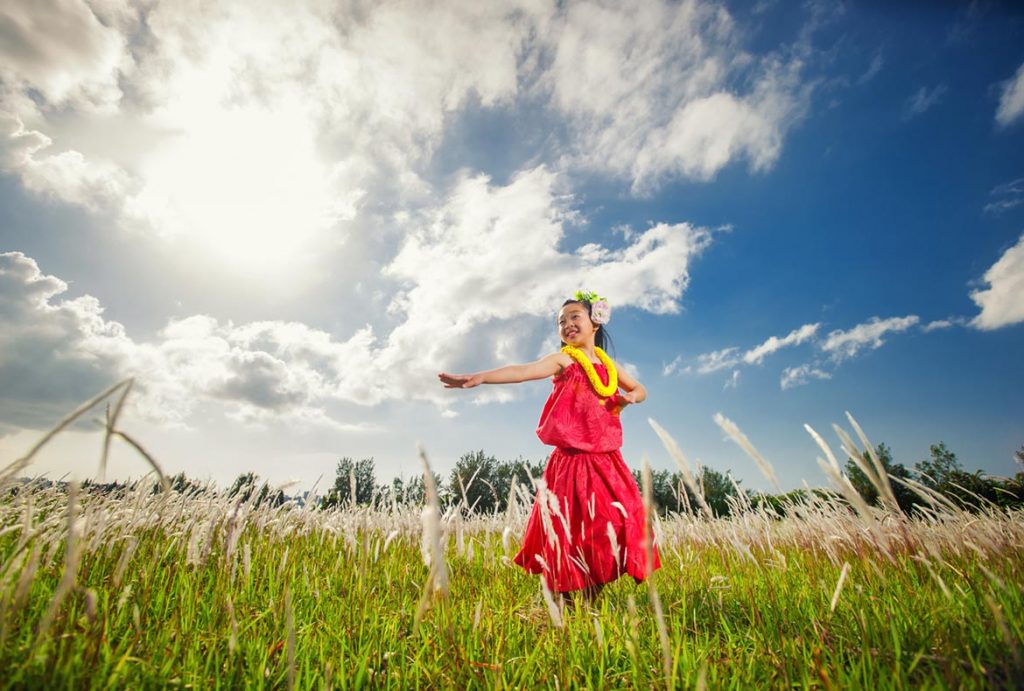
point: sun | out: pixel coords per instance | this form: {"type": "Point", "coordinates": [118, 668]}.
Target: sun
{"type": "Point", "coordinates": [243, 183]}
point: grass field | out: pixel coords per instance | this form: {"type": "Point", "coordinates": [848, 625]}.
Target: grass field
{"type": "Point", "coordinates": [166, 589]}
{"type": "Point", "coordinates": [155, 588]}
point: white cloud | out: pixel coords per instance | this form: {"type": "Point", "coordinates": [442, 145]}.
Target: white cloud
{"type": "Point", "coordinates": [940, 324]}
{"type": "Point", "coordinates": [53, 354]}
{"type": "Point", "coordinates": [756, 355]}
{"type": "Point", "coordinates": [1011, 101]}
{"type": "Point", "coordinates": [59, 49]}
{"type": "Point", "coordinates": [258, 130]}
{"type": "Point", "coordinates": [731, 357]}
{"type": "Point", "coordinates": [923, 100]}
{"type": "Point", "coordinates": [877, 62]}
{"type": "Point", "coordinates": [491, 257]}
{"type": "Point", "coordinates": [67, 176]}
{"type": "Point", "coordinates": [733, 381]}
{"type": "Point", "coordinates": [1006, 196]}
{"type": "Point", "coordinates": [1002, 303]}
{"type": "Point", "coordinates": [800, 375]}
{"type": "Point", "coordinates": [672, 367]}
{"type": "Point", "coordinates": [654, 90]}
{"type": "Point", "coordinates": [845, 344]}
{"type": "Point", "coordinates": [717, 360]}
{"type": "Point", "coordinates": [486, 263]}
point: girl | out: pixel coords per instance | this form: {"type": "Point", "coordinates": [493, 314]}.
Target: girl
{"type": "Point", "coordinates": [587, 524]}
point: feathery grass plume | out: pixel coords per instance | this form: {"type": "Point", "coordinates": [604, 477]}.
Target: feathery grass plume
{"type": "Point", "coordinates": [734, 432]}
{"type": "Point", "coordinates": [554, 610]}
{"type": "Point", "coordinates": [882, 475]}
{"type": "Point", "coordinates": [839, 481]}
{"type": "Point", "coordinates": [839, 587]}
{"type": "Point", "coordinates": [72, 556]}
{"type": "Point", "coordinates": [879, 481]}
{"type": "Point", "coordinates": [935, 499]}
{"type": "Point", "coordinates": [233, 624]}
{"type": "Point", "coordinates": [652, 590]}
{"type": "Point", "coordinates": [510, 515]}
{"type": "Point", "coordinates": [432, 547]}
{"type": "Point", "coordinates": [677, 455]}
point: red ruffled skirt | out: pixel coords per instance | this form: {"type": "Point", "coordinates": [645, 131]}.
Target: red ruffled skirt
{"type": "Point", "coordinates": [587, 525]}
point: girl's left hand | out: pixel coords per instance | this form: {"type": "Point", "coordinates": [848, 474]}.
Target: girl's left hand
{"type": "Point", "coordinates": [619, 401]}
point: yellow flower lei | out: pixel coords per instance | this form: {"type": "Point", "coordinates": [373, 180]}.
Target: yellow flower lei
{"type": "Point", "coordinates": [604, 391]}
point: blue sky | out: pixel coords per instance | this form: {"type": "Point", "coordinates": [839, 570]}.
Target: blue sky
{"type": "Point", "coordinates": [284, 221]}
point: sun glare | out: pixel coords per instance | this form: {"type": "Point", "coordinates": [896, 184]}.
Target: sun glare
{"type": "Point", "coordinates": [243, 183]}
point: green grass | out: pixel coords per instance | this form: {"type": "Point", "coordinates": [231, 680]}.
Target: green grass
{"type": "Point", "coordinates": [322, 603]}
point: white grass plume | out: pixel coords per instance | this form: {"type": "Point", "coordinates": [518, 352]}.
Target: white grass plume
{"type": "Point", "coordinates": [734, 432]}
{"type": "Point", "coordinates": [684, 466]}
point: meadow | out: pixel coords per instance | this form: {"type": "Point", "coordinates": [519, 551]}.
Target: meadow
{"type": "Point", "coordinates": [151, 587]}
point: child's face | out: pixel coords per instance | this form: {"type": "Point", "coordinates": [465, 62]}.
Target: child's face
{"type": "Point", "coordinates": [574, 325]}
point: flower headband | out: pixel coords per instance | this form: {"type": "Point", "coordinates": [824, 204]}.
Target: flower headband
{"type": "Point", "coordinates": [600, 310]}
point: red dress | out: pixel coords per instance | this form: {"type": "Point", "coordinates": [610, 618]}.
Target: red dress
{"type": "Point", "coordinates": [587, 524]}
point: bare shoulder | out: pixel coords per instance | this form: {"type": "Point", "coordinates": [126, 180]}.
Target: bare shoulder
{"type": "Point", "coordinates": [561, 359]}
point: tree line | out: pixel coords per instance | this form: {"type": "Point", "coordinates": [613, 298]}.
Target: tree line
{"type": "Point", "coordinates": [482, 484]}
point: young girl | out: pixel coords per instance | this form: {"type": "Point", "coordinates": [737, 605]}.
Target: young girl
{"type": "Point", "coordinates": [587, 524]}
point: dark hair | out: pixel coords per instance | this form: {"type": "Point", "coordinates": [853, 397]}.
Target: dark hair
{"type": "Point", "coordinates": [601, 338]}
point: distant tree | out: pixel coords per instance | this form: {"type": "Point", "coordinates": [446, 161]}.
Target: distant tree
{"type": "Point", "coordinates": [718, 490]}
{"type": "Point", "coordinates": [414, 493]}
{"type": "Point", "coordinates": [669, 492]}
{"type": "Point", "coordinates": [472, 481]}
{"type": "Point", "coordinates": [352, 478]}
{"type": "Point", "coordinates": [905, 497]}
{"type": "Point", "coordinates": [523, 471]}
{"type": "Point", "coordinates": [939, 468]}
{"type": "Point", "coordinates": [1018, 456]}
{"type": "Point", "coordinates": [246, 487]}
{"type": "Point", "coordinates": [487, 481]}
{"type": "Point", "coordinates": [183, 484]}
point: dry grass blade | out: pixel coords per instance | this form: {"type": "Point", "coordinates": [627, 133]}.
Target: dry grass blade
{"type": "Point", "coordinates": [433, 548]}
{"type": "Point", "coordinates": [289, 624]}
{"type": "Point", "coordinates": [652, 591]}
{"type": "Point", "coordinates": [145, 454]}
{"type": "Point", "coordinates": [880, 472]}
{"type": "Point", "coordinates": [20, 463]}
{"type": "Point", "coordinates": [842, 483]}
{"type": "Point", "coordinates": [839, 587]}
{"type": "Point", "coordinates": [734, 432]}
{"type": "Point", "coordinates": [111, 423]}
{"type": "Point", "coordinates": [684, 466]}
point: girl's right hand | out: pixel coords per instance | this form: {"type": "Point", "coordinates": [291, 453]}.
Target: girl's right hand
{"type": "Point", "coordinates": [460, 381]}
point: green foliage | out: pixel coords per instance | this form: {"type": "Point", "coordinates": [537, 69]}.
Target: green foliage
{"type": "Point", "coordinates": [246, 489]}
{"type": "Point", "coordinates": [353, 480]}
{"type": "Point", "coordinates": [483, 483]}
{"type": "Point", "coordinates": [671, 495]}
{"type": "Point", "coordinates": [942, 473]}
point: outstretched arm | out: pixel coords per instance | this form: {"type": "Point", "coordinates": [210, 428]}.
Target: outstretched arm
{"type": "Point", "coordinates": [510, 374]}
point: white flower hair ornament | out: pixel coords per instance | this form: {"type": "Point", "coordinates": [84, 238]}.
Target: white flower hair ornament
{"type": "Point", "coordinates": [600, 309]}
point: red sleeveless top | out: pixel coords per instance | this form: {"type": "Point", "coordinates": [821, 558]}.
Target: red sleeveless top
{"type": "Point", "coordinates": [575, 417]}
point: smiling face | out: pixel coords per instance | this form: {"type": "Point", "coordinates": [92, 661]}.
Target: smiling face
{"type": "Point", "coordinates": [575, 327]}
